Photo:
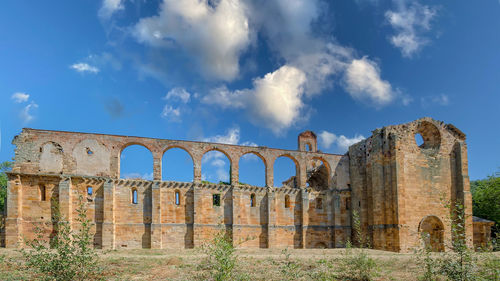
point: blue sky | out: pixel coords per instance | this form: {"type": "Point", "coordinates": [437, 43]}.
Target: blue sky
{"type": "Point", "coordinates": [250, 72]}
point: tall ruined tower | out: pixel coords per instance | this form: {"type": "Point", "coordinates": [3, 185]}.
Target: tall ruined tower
{"type": "Point", "coordinates": [400, 188]}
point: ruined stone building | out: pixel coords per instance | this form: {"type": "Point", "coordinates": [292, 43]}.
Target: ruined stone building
{"type": "Point", "coordinates": [394, 184]}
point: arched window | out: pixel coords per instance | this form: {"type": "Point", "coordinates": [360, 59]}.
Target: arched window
{"type": "Point", "coordinates": [308, 147]}
{"type": "Point", "coordinates": [252, 170]}
{"type": "Point", "coordinates": [134, 196]}
{"type": "Point", "coordinates": [177, 198]}
{"type": "Point", "coordinates": [285, 172]}
{"type": "Point", "coordinates": [89, 190]}
{"type": "Point", "coordinates": [136, 162]}
{"type": "Point", "coordinates": [42, 193]}
{"type": "Point", "coordinates": [177, 165]}
{"type": "Point", "coordinates": [252, 200]}
{"type": "Point", "coordinates": [287, 201]}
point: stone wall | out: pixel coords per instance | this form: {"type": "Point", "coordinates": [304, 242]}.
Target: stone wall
{"type": "Point", "coordinates": [393, 184]}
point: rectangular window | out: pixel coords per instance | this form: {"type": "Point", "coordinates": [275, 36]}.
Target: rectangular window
{"type": "Point", "coordinates": [89, 190]}
{"type": "Point", "coordinates": [319, 203]}
{"type": "Point", "coordinates": [216, 199]}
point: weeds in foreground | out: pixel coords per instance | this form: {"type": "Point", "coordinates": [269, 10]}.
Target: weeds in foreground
{"type": "Point", "coordinates": [356, 264]}
{"type": "Point", "coordinates": [289, 269]}
{"type": "Point", "coordinates": [221, 258]}
{"type": "Point", "coordinates": [69, 255]}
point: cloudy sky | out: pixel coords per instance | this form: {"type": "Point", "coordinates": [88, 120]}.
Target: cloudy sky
{"type": "Point", "coordinates": [250, 72]}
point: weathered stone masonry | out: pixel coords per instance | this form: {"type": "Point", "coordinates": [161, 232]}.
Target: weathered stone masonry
{"type": "Point", "coordinates": [393, 183]}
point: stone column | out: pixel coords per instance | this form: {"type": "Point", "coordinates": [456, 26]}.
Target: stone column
{"type": "Point", "coordinates": [337, 227]}
{"type": "Point", "coordinates": [269, 174]}
{"type": "Point", "coordinates": [235, 173]}
{"type": "Point", "coordinates": [108, 224]}
{"type": "Point", "coordinates": [197, 213]}
{"type": "Point", "coordinates": [66, 201]}
{"type": "Point", "coordinates": [14, 220]}
{"type": "Point", "coordinates": [301, 174]}
{"type": "Point", "coordinates": [236, 201]}
{"type": "Point", "coordinates": [271, 218]}
{"type": "Point", "coordinates": [330, 209]}
{"type": "Point", "coordinates": [156, 228]}
{"type": "Point", "coordinates": [197, 169]}
{"type": "Point", "coordinates": [157, 156]}
{"type": "Point", "coordinates": [305, 216]}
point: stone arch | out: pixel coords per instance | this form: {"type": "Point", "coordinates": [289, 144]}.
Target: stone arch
{"type": "Point", "coordinates": [128, 144]}
{"type": "Point", "coordinates": [294, 181]}
{"type": "Point", "coordinates": [430, 135]}
{"type": "Point", "coordinates": [229, 158]}
{"type": "Point", "coordinates": [319, 176]}
{"type": "Point", "coordinates": [432, 230]}
{"type": "Point", "coordinates": [184, 149]}
{"type": "Point", "coordinates": [258, 155]}
{"type": "Point", "coordinates": [51, 157]}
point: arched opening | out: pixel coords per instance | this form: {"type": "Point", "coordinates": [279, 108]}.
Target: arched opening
{"type": "Point", "coordinates": [177, 165]}
{"type": "Point", "coordinates": [215, 168]}
{"type": "Point", "coordinates": [43, 193]}
{"type": "Point", "coordinates": [177, 198]}
{"type": "Point", "coordinates": [252, 200]}
{"type": "Point", "coordinates": [430, 137]}
{"type": "Point", "coordinates": [90, 190]}
{"type": "Point", "coordinates": [318, 174]}
{"type": "Point", "coordinates": [431, 230]}
{"type": "Point", "coordinates": [136, 162]}
{"type": "Point", "coordinates": [285, 172]}
{"type": "Point", "coordinates": [134, 196]}
{"type": "Point", "coordinates": [252, 169]}
{"type": "Point", "coordinates": [308, 147]}
{"type": "Point", "coordinates": [419, 140]}
{"type": "Point", "coordinates": [287, 201]}
{"type": "Point", "coordinates": [320, 245]}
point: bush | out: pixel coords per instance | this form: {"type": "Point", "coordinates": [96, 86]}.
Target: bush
{"type": "Point", "coordinates": [356, 264]}
{"type": "Point", "coordinates": [221, 258]}
{"type": "Point", "coordinates": [69, 255]}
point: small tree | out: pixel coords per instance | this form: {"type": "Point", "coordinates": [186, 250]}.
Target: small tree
{"type": "Point", "coordinates": [221, 258]}
{"type": "Point", "coordinates": [69, 255]}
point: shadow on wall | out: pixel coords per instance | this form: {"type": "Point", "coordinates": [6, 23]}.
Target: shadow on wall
{"type": "Point", "coordinates": [189, 212]}
{"type": "Point", "coordinates": [146, 217]}
{"type": "Point", "coordinates": [98, 216]}
{"type": "Point", "coordinates": [297, 216]}
{"type": "Point", "coordinates": [263, 221]}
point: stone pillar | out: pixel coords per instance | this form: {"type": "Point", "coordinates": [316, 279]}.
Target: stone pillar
{"type": "Point", "coordinates": [66, 201]}
{"type": "Point", "coordinates": [14, 220]}
{"type": "Point", "coordinates": [305, 216]}
{"type": "Point", "coordinates": [235, 173]}
{"type": "Point", "coordinates": [271, 218]}
{"type": "Point", "coordinates": [197, 213]}
{"type": "Point", "coordinates": [337, 227]}
{"type": "Point", "coordinates": [197, 169]}
{"type": "Point", "coordinates": [108, 224]}
{"type": "Point", "coordinates": [156, 228]}
{"type": "Point", "coordinates": [269, 174]}
{"type": "Point", "coordinates": [301, 174]}
{"type": "Point", "coordinates": [157, 156]}
{"type": "Point", "coordinates": [330, 209]}
{"type": "Point", "coordinates": [236, 201]}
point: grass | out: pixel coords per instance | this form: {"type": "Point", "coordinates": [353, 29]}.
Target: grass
{"type": "Point", "coordinates": [254, 264]}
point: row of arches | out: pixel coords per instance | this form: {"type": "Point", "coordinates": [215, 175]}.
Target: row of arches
{"type": "Point", "coordinates": [177, 165]}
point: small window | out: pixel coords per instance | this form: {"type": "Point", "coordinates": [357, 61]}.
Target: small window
{"type": "Point", "coordinates": [89, 190]}
{"type": "Point", "coordinates": [252, 200]}
{"type": "Point", "coordinates": [216, 199]}
{"type": "Point", "coordinates": [89, 151]}
{"type": "Point", "coordinates": [177, 198]}
{"type": "Point", "coordinates": [319, 203]}
{"type": "Point", "coordinates": [287, 201]}
{"type": "Point", "coordinates": [134, 196]}
{"type": "Point", "coordinates": [308, 147]}
{"type": "Point", "coordinates": [42, 193]}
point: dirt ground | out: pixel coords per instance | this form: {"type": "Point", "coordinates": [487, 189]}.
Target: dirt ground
{"type": "Point", "coordinates": [252, 264]}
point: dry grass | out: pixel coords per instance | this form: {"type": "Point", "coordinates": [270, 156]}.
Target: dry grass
{"type": "Point", "coordinates": [253, 264]}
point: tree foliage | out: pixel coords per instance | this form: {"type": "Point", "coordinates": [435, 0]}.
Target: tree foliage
{"type": "Point", "coordinates": [4, 167]}
{"type": "Point", "coordinates": [486, 198]}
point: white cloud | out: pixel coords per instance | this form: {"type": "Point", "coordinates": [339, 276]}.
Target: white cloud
{"type": "Point", "coordinates": [342, 143]}
{"type": "Point", "coordinates": [20, 97]}
{"type": "Point", "coordinates": [442, 100]}
{"type": "Point", "coordinates": [216, 34]}
{"type": "Point", "coordinates": [26, 113]}
{"type": "Point", "coordinates": [179, 94]}
{"type": "Point", "coordinates": [225, 98]}
{"type": "Point", "coordinates": [231, 137]}
{"type": "Point", "coordinates": [409, 23]}
{"type": "Point", "coordinates": [326, 139]}
{"type": "Point", "coordinates": [84, 67]}
{"type": "Point", "coordinates": [109, 7]}
{"type": "Point", "coordinates": [171, 113]}
{"type": "Point", "coordinates": [363, 82]}
{"type": "Point", "coordinates": [147, 176]}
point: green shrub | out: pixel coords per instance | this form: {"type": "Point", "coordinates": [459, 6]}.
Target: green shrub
{"type": "Point", "coordinates": [69, 255]}
{"type": "Point", "coordinates": [289, 269]}
{"type": "Point", "coordinates": [221, 258]}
